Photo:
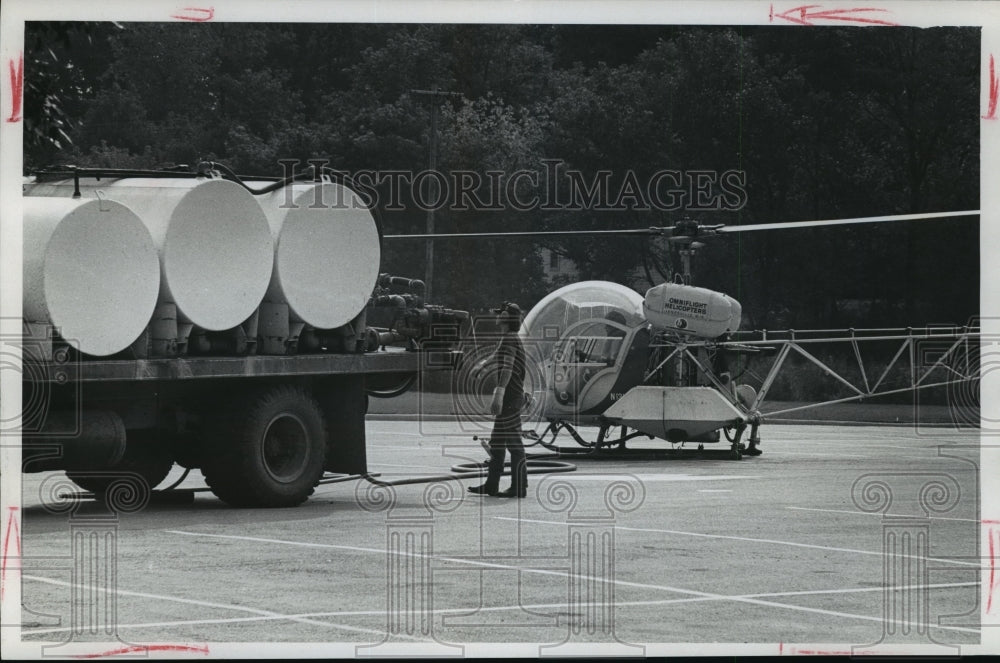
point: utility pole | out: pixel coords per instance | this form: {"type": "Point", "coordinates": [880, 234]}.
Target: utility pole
{"type": "Point", "coordinates": [434, 95]}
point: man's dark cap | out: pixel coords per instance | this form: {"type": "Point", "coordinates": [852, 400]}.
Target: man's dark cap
{"type": "Point", "coordinates": [509, 310]}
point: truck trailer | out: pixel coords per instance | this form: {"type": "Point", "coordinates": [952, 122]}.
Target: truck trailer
{"type": "Point", "coordinates": [198, 318]}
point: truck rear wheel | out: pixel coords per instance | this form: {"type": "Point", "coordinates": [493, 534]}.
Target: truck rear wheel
{"type": "Point", "coordinates": [268, 452]}
{"type": "Point", "coordinates": [142, 456]}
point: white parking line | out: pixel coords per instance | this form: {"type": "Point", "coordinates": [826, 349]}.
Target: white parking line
{"type": "Point", "coordinates": [859, 590]}
{"type": "Point", "coordinates": [660, 477]}
{"type": "Point", "coordinates": [740, 538]}
{"type": "Point", "coordinates": [818, 455]}
{"type": "Point", "coordinates": [502, 608]}
{"type": "Point", "coordinates": [911, 448]}
{"type": "Point", "coordinates": [376, 465]}
{"type": "Point", "coordinates": [398, 448]}
{"type": "Point", "coordinates": [566, 574]}
{"type": "Point", "coordinates": [269, 614]}
{"type": "Point", "coordinates": [868, 513]}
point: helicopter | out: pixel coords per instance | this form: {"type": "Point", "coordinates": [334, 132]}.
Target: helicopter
{"type": "Point", "coordinates": [656, 365]}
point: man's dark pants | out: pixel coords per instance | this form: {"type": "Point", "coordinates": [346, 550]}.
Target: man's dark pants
{"type": "Point", "coordinates": [507, 437]}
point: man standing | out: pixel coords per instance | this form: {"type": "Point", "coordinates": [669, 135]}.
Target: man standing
{"type": "Point", "coordinates": [508, 399]}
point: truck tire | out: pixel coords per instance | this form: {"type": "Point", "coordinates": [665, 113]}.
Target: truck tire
{"type": "Point", "coordinates": [142, 456]}
{"type": "Point", "coordinates": [267, 452]}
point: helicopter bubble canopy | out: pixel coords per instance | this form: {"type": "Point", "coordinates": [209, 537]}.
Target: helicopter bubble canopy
{"type": "Point", "coordinates": [550, 319]}
{"type": "Point", "coordinates": [588, 312]}
{"type": "Point", "coordinates": [579, 301]}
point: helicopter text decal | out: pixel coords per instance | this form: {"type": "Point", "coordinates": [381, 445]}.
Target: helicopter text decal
{"type": "Point", "coordinates": [675, 305]}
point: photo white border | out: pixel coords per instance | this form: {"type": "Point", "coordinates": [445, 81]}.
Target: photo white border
{"type": "Point", "coordinates": [14, 14]}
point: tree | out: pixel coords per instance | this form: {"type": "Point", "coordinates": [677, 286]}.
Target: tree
{"type": "Point", "coordinates": [824, 123]}
{"type": "Point", "coordinates": [62, 64]}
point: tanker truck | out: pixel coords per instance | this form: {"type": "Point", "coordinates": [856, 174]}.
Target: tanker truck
{"type": "Point", "coordinates": [194, 317]}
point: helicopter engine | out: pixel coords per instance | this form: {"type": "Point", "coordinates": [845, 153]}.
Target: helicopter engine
{"type": "Point", "coordinates": [692, 311]}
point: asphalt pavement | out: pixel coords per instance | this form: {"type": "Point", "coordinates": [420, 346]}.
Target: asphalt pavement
{"type": "Point", "coordinates": [838, 539]}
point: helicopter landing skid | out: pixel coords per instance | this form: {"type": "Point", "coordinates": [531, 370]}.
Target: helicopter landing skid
{"type": "Point", "coordinates": [605, 448]}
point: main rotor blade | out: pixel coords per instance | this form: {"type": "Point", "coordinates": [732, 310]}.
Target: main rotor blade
{"type": "Point", "coordinates": [654, 231]}
{"type": "Point", "coordinates": [838, 222]}
{"type": "Point", "coordinates": [538, 233]}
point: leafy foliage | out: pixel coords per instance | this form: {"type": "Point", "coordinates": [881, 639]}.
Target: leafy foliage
{"type": "Point", "coordinates": [824, 123]}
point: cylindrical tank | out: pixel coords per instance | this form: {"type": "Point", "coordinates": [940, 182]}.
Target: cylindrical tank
{"type": "Point", "coordinates": [327, 254]}
{"type": "Point", "coordinates": [690, 310]}
{"type": "Point", "coordinates": [97, 442]}
{"type": "Point", "coordinates": [214, 243]}
{"type": "Point", "coordinates": [90, 270]}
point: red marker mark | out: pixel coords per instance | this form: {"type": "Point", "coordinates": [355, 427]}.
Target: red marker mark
{"type": "Point", "coordinates": [806, 14]}
{"type": "Point", "coordinates": [11, 527]}
{"type": "Point", "coordinates": [993, 566]}
{"type": "Point", "coordinates": [143, 649]}
{"type": "Point", "coordinates": [991, 113]}
{"type": "Point", "coordinates": [797, 651]}
{"type": "Point", "coordinates": [16, 88]}
{"type": "Point", "coordinates": [196, 14]}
